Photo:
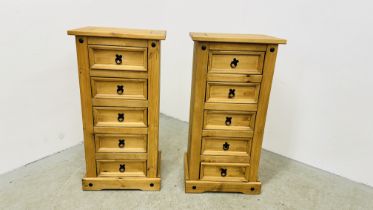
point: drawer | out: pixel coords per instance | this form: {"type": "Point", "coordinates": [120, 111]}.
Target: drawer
{"type": "Point", "coordinates": [121, 168]}
{"type": "Point", "coordinates": [120, 117]}
{"type": "Point", "coordinates": [224, 171]}
{"type": "Point", "coordinates": [236, 62]}
{"type": "Point", "coordinates": [232, 92]}
{"type": "Point", "coordinates": [229, 120]}
{"type": "Point", "coordinates": [120, 143]}
{"type": "Point", "coordinates": [118, 58]}
{"type": "Point", "coordinates": [226, 146]}
{"type": "Point", "coordinates": [119, 88]}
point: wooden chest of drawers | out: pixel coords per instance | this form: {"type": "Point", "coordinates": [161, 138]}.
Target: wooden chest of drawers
{"type": "Point", "coordinates": [232, 76]}
{"type": "Point", "coordinates": [119, 85]}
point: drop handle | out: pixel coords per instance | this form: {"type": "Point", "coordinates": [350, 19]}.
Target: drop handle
{"type": "Point", "coordinates": [120, 117]}
{"type": "Point", "coordinates": [122, 168]}
{"type": "Point", "coordinates": [121, 143]}
{"type": "Point", "coordinates": [223, 172]}
{"type": "Point", "coordinates": [226, 146]}
{"type": "Point", "coordinates": [228, 121]}
{"type": "Point", "coordinates": [118, 59]}
{"type": "Point", "coordinates": [120, 89]}
{"type": "Point", "coordinates": [232, 93]}
{"type": "Point", "coordinates": [234, 63]}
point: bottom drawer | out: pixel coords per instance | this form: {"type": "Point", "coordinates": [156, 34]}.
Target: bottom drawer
{"type": "Point", "coordinates": [121, 168]}
{"type": "Point", "coordinates": [224, 171]}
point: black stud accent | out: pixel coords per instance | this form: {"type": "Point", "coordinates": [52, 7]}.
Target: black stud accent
{"type": "Point", "coordinates": [151, 184]}
{"type": "Point", "coordinates": [272, 49]}
{"type": "Point", "coordinates": [203, 47]}
{"type": "Point", "coordinates": [252, 189]}
{"type": "Point", "coordinates": [153, 44]}
{"type": "Point", "coordinates": [81, 40]}
{"type": "Point", "coordinates": [90, 184]}
{"type": "Point", "coordinates": [194, 187]}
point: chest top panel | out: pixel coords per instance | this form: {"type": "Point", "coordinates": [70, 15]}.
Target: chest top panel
{"type": "Point", "coordinates": [236, 38]}
{"type": "Point", "coordinates": [118, 33]}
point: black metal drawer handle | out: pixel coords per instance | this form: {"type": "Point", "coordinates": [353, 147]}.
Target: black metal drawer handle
{"type": "Point", "coordinates": [121, 143]}
{"type": "Point", "coordinates": [120, 89]}
{"type": "Point", "coordinates": [234, 63]}
{"type": "Point", "coordinates": [118, 59]}
{"type": "Point", "coordinates": [232, 93]}
{"type": "Point", "coordinates": [122, 168]}
{"type": "Point", "coordinates": [223, 172]}
{"type": "Point", "coordinates": [120, 117]}
{"type": "Point", "coordinates": [226, 146]}
{"type": "Point", "coordinates": [228, 121]}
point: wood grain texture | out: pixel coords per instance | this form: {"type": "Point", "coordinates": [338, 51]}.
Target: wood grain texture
{"type": "Point", "coordinates": [240, 38]}
{"type": "Point", "coordinates": [111, 117]}
{"type": "Point", "coordinates": [217, 120]}
{"type": "Point", "coordinates": [199, 186]}
{"type": "Point", "coordinates": [127, 130]}
{"type": "Point", "coordinates": [119, 77]}
{"type": "Point", "coordinates": [123, 183]}
{"type": "Point", "coordinates": [225, 159]}
{"type": "Point", "coordinates": [269, 66]}
{"type": "Point", "coordinates": [248, 62]}
{"type": "Point", "coordinates": [118, 32]}
{"type": "Point", "coordinates": [231, 171]}
{"type": "Point", "coordinates": [115, 88]}
{"type": "Point", "coordinates": [236, 89]}
{"type": "Point", "coordinates": [120, 168]}
{"type": "Point", "coordinates": [196, 107]}
{"type": "Point", "coordinates": [121, 143]}
{"type": "Point", "coordinates": [243, 78]}
{"type": "Point", "coordinates": [154, 66]}
{"type": "Point", "coordinates": [230, 146]}
{"type": "Point", "coordinates": [240, 93]}
{"type": "Point", "coordinates": [116, 73]}
{"type": "Point", "coordinates": [86, 105]}
{"type": "Point", "coordinates": [117, 42]}
{"type": "Point", "coordinates": [228, 107]}
{"type": "Point", "coordinates": [106, 58]}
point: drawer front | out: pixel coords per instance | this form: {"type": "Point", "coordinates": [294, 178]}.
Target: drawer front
{"type": "Point", "coordinates": [229, 120]}
{"type": "Point", "coordinates": [120, 117]}
{"type": "Point", "coordinates": [224, 171]}
{"type": "Point", "coordinates": [226, 146]}
{"type": "Point", "coordinates": [232, 92]}
{"type": "Point", "coordinates": [119, 88]}
{"type": "Point", "coordinates": [118, 58]}
{"type": "Point", "coordinates": [236, 62]}
{"type": "Point", "coordinates": [134, 168]}
{"type": "Point", "coordinates": [120, 143]}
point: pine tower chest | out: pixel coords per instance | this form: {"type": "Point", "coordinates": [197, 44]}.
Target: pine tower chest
{"type": "Point", "coordinates": [119, 86]}
{"type": "Point", "coordinates": [231, 83]}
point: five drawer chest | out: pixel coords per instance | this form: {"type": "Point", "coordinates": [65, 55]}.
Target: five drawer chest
{"type": "Point", "coordinates": [119, 72]}
{"type": "Point", "coordinates": [231, 83]}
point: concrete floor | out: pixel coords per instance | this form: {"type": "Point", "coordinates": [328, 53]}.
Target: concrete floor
{"type": "Point", "coordinates": [55, 183]}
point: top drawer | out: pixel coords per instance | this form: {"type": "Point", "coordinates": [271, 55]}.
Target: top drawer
{"type": "Point", "coordinates": [236, 62]}
{"type": "Point", "coordinates": [118, 58]}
